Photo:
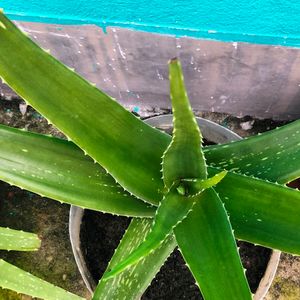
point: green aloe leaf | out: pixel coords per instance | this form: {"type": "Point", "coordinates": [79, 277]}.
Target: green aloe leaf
{"type": "Point", "coordinates": [208, 236]}
{"type": "Point", "coordinates": [272, 155]}
{"type": "Point", "coordinates": [30, 76]}
{"type": "Point", "coordinates": [57, 169]}
{"type": "Point", "coordinates": [261, 212]}
{"type": "Point", "coordinates": [196, 186]}
{"type": "Point", "coordinates": [172, 210]}
{"type": "Point", "coordinates": [132, 283]}
{"type": "Point", "coordinates": [206, 241]}
{"type": "Point", "coordinates": [20, 281]}
{"type": "Point", "coordinates": [19, 67]}
{"type": "Point", "coordinates": [85, 192]}
{"type": "Point", "coordinates": [11, 239]}
{"type": "Point", "coordinates": [94, 121]}
{"type": "Point", "coordinates": [185, 146]}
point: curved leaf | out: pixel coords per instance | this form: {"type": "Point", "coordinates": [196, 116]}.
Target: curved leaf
{"type": "Point", "coordinates": [93, 120]}
{"type": "Point", "coordinates": [57, 169]}
{"type": "Point", "coordinates": [183, 158]}
{"type": "Point", "coordinates": [172, 210]}
{"type": "Point", "coordinates": [206, 241]}
{"type": "Point", "coordinates": [272, 155]}
{"type": "Point", "coordinates": [196, 186]}
{"type": "Point", "coordinates": [132, 283]}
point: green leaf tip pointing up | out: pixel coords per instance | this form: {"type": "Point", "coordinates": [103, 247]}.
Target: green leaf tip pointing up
{"type": "Point", "coordinates": [185, 146]}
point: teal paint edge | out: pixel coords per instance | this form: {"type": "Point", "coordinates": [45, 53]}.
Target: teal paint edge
{"type": "Point", "coordinates": [289, 41]}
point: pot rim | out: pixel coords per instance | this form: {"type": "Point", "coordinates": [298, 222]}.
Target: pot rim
{"type": "Point", "coordinates": [211, 131]}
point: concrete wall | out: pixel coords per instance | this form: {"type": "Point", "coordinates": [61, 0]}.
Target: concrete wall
{"type": "Point", "coordinates": [237, 78]}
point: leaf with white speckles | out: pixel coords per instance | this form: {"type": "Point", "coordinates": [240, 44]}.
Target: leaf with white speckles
{"type": "Point", "coordinates": [206, 241]}
{"type": "Point", "coordinates": [185, 147]}
{"type": "Point", "coordinates": [18, 280]}
{"type": "Point", "coordinates": [132, 283]}
{"type": "Point", "coordinates": [183, 157]}
{"type": "Point", "coordinates": [262, 212]}
{"type": "Point", "coordinates": [172, 209]}
{"type": "Point", "coordinates": [57, 169]}
{"type": "Point", "coordinates": [93, 120]}
{"type": "Point", "coordinates": [11, 239]}
{"type": "Point", "coordinates": [273, 155]}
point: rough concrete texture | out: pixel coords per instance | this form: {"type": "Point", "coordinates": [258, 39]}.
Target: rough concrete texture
{"type": "Point", "coordinates": [236, 78]}
{"type": "Point", "coordinates": [286, 285]}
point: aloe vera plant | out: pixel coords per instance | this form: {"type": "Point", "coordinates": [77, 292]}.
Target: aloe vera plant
{"type": "Point", "coordinates": [178, 192]}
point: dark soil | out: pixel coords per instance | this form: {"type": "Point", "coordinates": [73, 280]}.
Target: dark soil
{"type": "Point", "coordinates": [101, 233]}
{"type": "Point", "coordinates": [295, 184]}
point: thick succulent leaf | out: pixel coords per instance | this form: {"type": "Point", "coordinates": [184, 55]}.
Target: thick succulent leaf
{"type": "Point", "coordinates": [132, 283]}
{"type": "Point", "coordinates": [261, 212]}
{"type": "Point", "coordinates": [196, 186]}
{"type": "Point", "coordinates": [206, 241]}
{"type": "Point", "coordinates": [87, 177]}
{"type": "Point", "coordinates": [11, 239]}
{"type": "Point", "coordinates": [20, 281]}
{"type": "Point", "coordinates": [58, 169]}
{"type": "Point", "coordinates": [183, 158]}
{"type": "Point", "coordinates": [173, 208]}
{"type": "Point", "coordinates": [273, 155]}
{"type": "Point", "coordinates": [104, 129]}
{"type": "Point", "coordinates": [30, 76]}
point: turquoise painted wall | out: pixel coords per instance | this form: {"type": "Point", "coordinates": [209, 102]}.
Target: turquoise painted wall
{"type": "Point", "coordinates": [258, 21]}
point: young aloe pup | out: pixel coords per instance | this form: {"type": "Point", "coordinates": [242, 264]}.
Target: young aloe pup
{"type": "Point", "coordinates": [112, 163]}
